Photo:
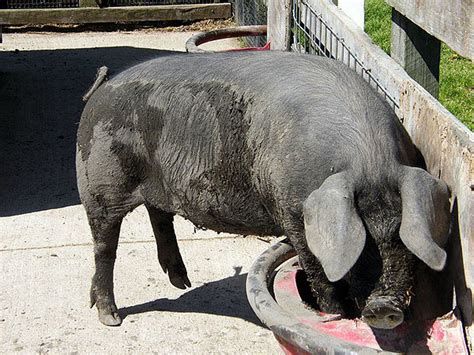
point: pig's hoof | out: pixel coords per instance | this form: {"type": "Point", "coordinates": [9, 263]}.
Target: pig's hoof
{"type": "Point", "coordinates": [111, 319]}
{"type": "Point", "coordinates": [176, 270]}
{"type": "Point", "coordinates": [179, 281]}
{"type": "Point", "coordinates": [332, 307]}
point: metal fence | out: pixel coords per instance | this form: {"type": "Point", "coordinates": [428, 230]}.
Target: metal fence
{"type": "Point", "coordinates": [311, 34]}
{"type": "Point", "coordinates": [248, 13]}
{"type": "Point", "coordinates": [42, 4]}
{"type": "Point", "coordinates": [38, 4]}
{"type": "Point", "coordinates": [113, 3]}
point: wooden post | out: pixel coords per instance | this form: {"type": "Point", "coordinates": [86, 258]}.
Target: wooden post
{"type": "Point", "coordinates": [278, 22]}
{"type": "Point", "coordinates": [416, 51]}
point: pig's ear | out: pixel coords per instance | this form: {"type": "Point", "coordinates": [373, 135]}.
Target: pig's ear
{"type": "Point", "coordinates": [425, 216]}
{"type": "Point", "coordinates": [334, 232]}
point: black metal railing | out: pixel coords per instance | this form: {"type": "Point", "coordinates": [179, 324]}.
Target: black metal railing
{"type": "Point", "coordinates": [38, 4]}
{"type": "Point", "coordinates": [113, 3]}
{"type": "Point", "coordinates": [250, 13]}
{"type": "Point", "coordinates": [46, 4]}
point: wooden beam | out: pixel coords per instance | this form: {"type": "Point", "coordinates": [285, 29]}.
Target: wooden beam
{"type": "Point", "coordinates": [416, 51]}
{"type": "Point", "coordinates": [115, 14]}
{"type": "Point", "coordinates": [451, 21]}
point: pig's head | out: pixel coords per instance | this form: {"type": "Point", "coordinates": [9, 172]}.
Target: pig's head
{"type": "Point", "coordinates": [399, 219]}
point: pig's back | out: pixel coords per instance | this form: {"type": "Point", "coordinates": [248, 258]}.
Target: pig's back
{"type": "Point", "coordinates": [219, 132]}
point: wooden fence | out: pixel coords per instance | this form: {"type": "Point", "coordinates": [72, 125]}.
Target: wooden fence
{"type": "Point", "coordinates": [90, 12]}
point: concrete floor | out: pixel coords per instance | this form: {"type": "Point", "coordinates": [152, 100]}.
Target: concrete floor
{"type": "Point", "coordinates": [46, 256]}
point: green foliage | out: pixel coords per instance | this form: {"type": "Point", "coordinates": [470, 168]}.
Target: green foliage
{"type": "Point", "coordinates": [378, 22]}
{"type": "Point", "coordinates": [456, 89]}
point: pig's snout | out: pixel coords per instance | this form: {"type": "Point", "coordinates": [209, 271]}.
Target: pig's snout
{"type": "Point", "coordinates": [382, 314]}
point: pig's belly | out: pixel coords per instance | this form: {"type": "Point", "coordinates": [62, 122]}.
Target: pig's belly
{"type": "Point", "coordinates": [231, 213]}
{"type": "Point", "coordinates": [222, 210]}
{"type": "Point", "coordinates": [223, 219]}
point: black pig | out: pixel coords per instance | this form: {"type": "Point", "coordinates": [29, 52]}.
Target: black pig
{"type": "Point", "coordinates": [270, 144]}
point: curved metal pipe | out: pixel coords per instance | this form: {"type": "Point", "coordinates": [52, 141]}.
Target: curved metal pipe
{"type": "Point", "coordinates": [231, 32]}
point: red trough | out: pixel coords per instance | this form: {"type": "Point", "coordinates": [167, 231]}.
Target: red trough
{"type": "Point", "coordinates": [273, 290]}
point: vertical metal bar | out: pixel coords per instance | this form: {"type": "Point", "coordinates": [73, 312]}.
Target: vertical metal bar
{"type": "Point", "coordinates": [315, 39]}
{"type": "Point", "coordinates": [325, 40]}
{"type": "Point", "coordinates": [319, 36]}
{"type": "Point", "coordinates": [298, 27]}
{"type": "Point", "coordinates": [293, 20]}
{"type": "Point", "coordinates": [330, 44]}
{"type": "Point", "coordinates": [312, 48]}
{"type": "Point", "coordinates": [304, 27]}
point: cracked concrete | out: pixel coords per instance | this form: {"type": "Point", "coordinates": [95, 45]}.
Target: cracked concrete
{"type": "Point", "coordinates": [46, 259]}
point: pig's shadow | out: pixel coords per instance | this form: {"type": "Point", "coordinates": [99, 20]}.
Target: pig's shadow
{"type": "Point", "coordinates": [225, 297]}
{"type": "Point", "coordinates": [40, 108]}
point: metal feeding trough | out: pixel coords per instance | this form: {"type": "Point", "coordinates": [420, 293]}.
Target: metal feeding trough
{"type": "Point", "coordinates": [274, 288]}
{"type": "Point", "coordinates": [192, 44]}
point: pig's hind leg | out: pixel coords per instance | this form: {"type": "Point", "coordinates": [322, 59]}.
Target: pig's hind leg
{"type": "Point", "coordinates": [105, 234]}
{"type": "Point", "coordinates": [105, 219]}
{"type": "Point", "coordinates": [106, 199]}
{"type": "Point", "coordinates": [168, 251]}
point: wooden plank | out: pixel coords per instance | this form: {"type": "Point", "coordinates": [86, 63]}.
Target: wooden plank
{"type": "Point", "coordinates": [451, 21]}
{"type": "Point", "coordinates": [447, 145]}
{"type": "Point", "coordinates": [416, 51]}
{"type": "Point", "coordinates": [115, 14]}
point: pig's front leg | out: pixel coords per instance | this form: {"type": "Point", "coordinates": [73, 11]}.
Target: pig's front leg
{"type": "Point", "coordinates": [385, 306]}
{"type": "Point", "coordinates": [168, 251]}
{"type": "Point", "coordinates": [328, 296]}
